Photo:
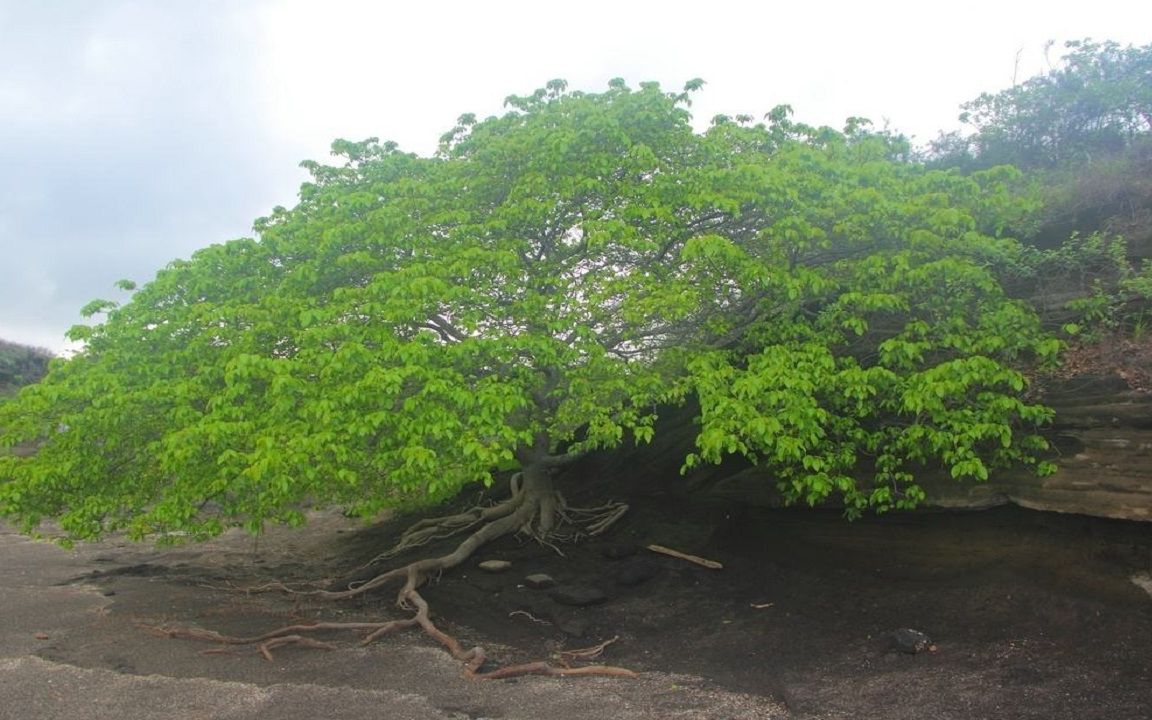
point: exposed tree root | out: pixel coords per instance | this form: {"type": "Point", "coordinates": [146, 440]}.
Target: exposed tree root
{"type": "Point", "coordinates": [432, 529]}
{"type": "Point", "coordinates": [596, 521]}
{"type": "Point", "coordinates": [543, 668]}
{"type": "Point", "coordinates": [534, 508]}
{"type": "Point", "coordinates": [472, 658]}
{"type": "Point", "coordinates": [587, 522]}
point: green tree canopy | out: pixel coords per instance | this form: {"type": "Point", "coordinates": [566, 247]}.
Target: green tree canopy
{"type": "Point", "coordinates": [1096, 102]}
{"type": "Point", "coordinates": [536, 289]}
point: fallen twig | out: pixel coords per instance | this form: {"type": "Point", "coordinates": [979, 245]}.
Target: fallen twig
{"type": "Point", "coordinates": [695, 559]}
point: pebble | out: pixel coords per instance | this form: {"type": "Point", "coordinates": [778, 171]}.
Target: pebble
{"type": "Point", "coordinates": [911, 641]}
{"type": "Point", "coordinates": [539, 581]}
{"type": "Point", "coordinates": [495, 566]}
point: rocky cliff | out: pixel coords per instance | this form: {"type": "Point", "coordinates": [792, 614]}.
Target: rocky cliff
{"type": "Point", "coordinates": [1101, 437]}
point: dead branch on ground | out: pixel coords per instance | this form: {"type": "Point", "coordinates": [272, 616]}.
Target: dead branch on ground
{"type": "Point", "coordinates": [695, 559]}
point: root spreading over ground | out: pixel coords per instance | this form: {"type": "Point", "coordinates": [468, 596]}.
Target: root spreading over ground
{"type": "Point", "coordinates": [535, 508]}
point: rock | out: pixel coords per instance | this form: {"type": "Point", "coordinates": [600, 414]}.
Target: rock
{"type": "Point", "coordinates": [1101, 435]}
{"type": "Point", "coordinates": [1103, 450]}
{"type": "Point", "coordinates": [635, 572]}
{"type": "Point", "coordinates": [539, 581]}
{"type": "Point", "coordinates": [578, 595]}
{"type": "Point", "coordinates": [911, 641]}
{"type": "Point", "coordinates": [1109, 474]}
{"type": "Point", "coordinates": [494, 566]}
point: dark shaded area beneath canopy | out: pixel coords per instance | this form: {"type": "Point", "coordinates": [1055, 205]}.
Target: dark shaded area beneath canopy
{"type": "Point", "coordinates": [1034, 614]}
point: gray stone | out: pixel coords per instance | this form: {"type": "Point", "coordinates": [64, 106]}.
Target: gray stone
{"type": "Point", "coordinates": [539, 581]}
{"type": "Point", "coordinates": [911, 641]}
{"type": "Point", "coordinates": [495, 566]}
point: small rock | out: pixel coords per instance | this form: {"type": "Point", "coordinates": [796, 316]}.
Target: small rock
{"type": "Point", "coordinates": [635, 572]}
{"type": "Point", "coordinates": [577, 595]}
{"type": "Point", "coordinates": [495, 566]}
{"type": "Point", "coordinates": [539, 581]}
{"type": "Point", "coordinates": [41, 636]}
{"type": "Point", "coordinates": [911, 641]}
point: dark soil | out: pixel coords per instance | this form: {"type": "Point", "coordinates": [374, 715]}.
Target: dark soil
{"type": "Point", "coordinates": [1030, 615]}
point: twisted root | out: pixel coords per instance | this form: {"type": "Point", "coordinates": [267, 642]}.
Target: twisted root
{"type": "Point", "coordinates": [472, 658]}
{"type": "Point", "coordinates": [532, 511]}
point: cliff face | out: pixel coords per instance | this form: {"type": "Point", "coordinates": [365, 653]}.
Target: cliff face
{"type": "Point", "coordinates": [1102, 438]}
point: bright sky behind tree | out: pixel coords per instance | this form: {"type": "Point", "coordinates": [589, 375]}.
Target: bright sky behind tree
{"type": "Point", "coordinates": [133, 132]}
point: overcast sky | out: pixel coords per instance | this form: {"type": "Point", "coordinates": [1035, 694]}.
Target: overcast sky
{"type": "Point", "coordinates": [133, 132]}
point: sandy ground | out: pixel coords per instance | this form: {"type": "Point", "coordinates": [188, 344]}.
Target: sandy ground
{"type": "Point", "coordinates": [72, 647]}
{"type": "Point", "coordinates": [1032, 616]}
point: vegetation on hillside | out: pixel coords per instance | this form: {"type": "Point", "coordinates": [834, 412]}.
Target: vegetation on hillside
{"type": "Point", "coordinates": [1082, 132]}
{"type": "Point", "coordinates": [21, 365]}
{"type": "Point", "coordinates": [1095, 103]}
{"type": "Point", "coordinates": [1083, 135]}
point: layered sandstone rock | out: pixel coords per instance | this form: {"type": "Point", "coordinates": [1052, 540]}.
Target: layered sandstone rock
{"type": "Point", "coordinates": [1103, 443]}
{"type": "Point", "coordinates": [1102, 440]}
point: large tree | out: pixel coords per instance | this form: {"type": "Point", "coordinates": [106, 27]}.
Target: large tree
{"type": "Point", "coordinates": [535, 290]}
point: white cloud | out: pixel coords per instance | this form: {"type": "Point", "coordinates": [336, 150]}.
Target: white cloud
{"type": "Point", "coordinates": [136, 131]}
